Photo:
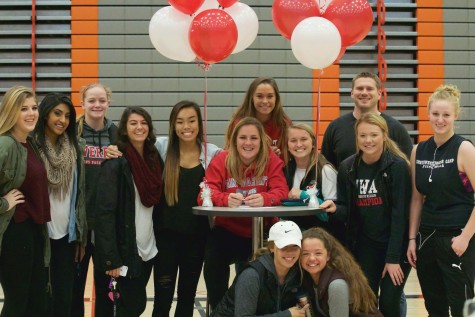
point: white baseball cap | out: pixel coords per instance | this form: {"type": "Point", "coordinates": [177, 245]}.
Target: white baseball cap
{"type": "Point", "coordinates": [285, 233]}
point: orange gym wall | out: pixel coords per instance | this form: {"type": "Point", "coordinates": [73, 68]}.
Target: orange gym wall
{"type": "Point", "coordinates": [84, 46]}
{"type": "Point", "coordinates": [329, 97]}
{"type": "Point", "coordinates": [430, 69]}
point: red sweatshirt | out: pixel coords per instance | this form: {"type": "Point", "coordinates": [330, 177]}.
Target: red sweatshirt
{"type": "Point", "coordinates": [272, 186]}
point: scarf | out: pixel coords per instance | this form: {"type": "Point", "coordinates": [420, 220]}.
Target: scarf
{"type": "Point", "coordinates": [148, 181]}
{"type": "Point", "coordinates": [59, 161]}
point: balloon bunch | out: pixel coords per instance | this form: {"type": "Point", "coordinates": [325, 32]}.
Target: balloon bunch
{"type": "Point", "coordinates": [204, 30]}
{"type": "Point", "coordinates": [321, 30]}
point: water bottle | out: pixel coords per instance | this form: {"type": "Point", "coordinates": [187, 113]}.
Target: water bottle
{"type": "Point", "coordinates": [302, 300]}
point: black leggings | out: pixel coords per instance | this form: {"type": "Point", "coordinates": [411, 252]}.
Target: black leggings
{"type": "Point", "coordinates": [183, 253]}
{"type": "Point", "coordinates": [372, 262]}
{"type": "Point", "coordinates": [222, 249]}
{"type": "Point", "coordinates": [23, 274]}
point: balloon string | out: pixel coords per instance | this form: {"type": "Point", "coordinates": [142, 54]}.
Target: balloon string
{"type": "Point", "coordinates": [320, 72]}
{"type": "Point", "coordinates": [205, 116]}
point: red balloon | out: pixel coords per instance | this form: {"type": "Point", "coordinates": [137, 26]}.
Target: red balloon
{"type": "Point", "coordinates": [353, 18]}
{"type": "Point", "coordinates": [213, 35]}
{"type": "Point", "coordinates": [286, 14]}
{"type": "Point", "coordinates": [340, 55]}
{"type": "Point", "coordinates": [227, 3]}
{"type": "Point", "coordinates": [186, 6]}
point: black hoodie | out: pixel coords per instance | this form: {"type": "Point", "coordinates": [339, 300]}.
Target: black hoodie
{"type": "Point", "coordinates": [94, 154]}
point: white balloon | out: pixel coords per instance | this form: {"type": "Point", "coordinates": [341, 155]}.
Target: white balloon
{"type": "Point", "coordinates": [168, 31]}
{"type": "Point", "coordinates": [316, 42]}
{"type": "Point", "coordinates": [208, 4]}
{"type": "Point", "coordinates": [247, 24]}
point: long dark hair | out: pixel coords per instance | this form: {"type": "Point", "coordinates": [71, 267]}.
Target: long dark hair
{"type": "Point", "coordinates": [48, 103]}
{"type": "Point", "coordinates": [172, 166]}
{"type": "Point", "coordinates": [152, 157]}
{"type": "Point", "coordinates": [247, 109]}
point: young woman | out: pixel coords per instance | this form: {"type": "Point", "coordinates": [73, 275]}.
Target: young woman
{"type": "Point", "coordinates": [55, 136]}
{"type": "Point", "coordinates": [127, 190]}
{"type": "Point", "coordinates": [262, 101]}
{"type": "Point", "coordinates": [373, 199]}
{"type": "Point", "coordinates": [267, 286]}
{"type": "Point", "coordinates": [177, 229]}
{"type": "Point", "coordinates": [300, 172]}
{"type": "Point", "coordinates": [334, 280]}
{"type": "Point", "coordinates": [99, 132]}
{"type": "Point", "coordinates": [24, 208]}
{"type": "Point", "coordinates": [442, 219]}
{"type": "Point", "coordinates": [249, 174]}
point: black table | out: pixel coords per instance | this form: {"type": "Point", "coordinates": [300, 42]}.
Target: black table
{"type": "Point", "coordinates": [257, 213]}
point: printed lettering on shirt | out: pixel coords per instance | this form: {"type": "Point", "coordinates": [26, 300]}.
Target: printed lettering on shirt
{"type": "Point", "coordinates": [248, 182]}
{"type": "Point", "coordinates": [434, 164]}
{"type": "Point", "coordinates": [367, 193]}
{"type": "Point", "coordinates": [93, 155]}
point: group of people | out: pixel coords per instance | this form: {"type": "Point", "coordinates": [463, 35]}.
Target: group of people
{"type": "Point", "coordinates": [75, 188]}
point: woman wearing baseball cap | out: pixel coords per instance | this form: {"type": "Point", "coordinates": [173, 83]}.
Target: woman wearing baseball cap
{"type": "Point", "coordinates": [267, 285]}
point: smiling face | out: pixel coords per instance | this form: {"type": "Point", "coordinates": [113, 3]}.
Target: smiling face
{"type": "Point", "coordinates": [365, 94]}
{"type": "Point", "coordinates": [137, 130]}
{"type": "Point", "coordinates": [442, 117]}
{"type": "Point", "coordinates": [186, 125]}
{"type": "Point", "coordinates": [248, 143]}
{"type": "Point", "coordinates": [95, 103]}
{"type": "Point", "coordinates": [300, 145]}
{"type": "Point", "coordinates": [370, 140]}
{"type": "Point", "coordinates": [314, 257]}
{"type": "Point", "coordinates": [286, 257]}
{"type": "Point", "coordinates": [57, 122]}
{"type": "Point", "coordinates": [27, 119]}
{"type": "Point", "coordinates": [264, 101]}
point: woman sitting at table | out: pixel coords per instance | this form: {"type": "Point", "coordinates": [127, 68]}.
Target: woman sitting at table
{"type": "Point", "coordinates": [300, 173]}
{"type": "Point", "coordinates": [247, 174]}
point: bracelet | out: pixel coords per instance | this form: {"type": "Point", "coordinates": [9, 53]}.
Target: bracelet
{"type": "Point", "coordinates": [412, 239]}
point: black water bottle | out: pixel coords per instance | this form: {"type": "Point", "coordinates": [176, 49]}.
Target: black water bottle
{"type": "Point", "coordinates": [302, 300]}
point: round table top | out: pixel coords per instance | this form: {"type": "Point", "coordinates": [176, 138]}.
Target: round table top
{"type": "Point", "coordinates": [257, 211]}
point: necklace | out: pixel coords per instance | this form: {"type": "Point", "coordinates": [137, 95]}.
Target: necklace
{"type": "Point", "coordinates": [432, 165]}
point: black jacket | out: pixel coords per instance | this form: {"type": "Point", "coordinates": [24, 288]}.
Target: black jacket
{"type": "Point", "coordinates": [394, 180]}
{"type": "Point", "coordinates": [115, 235]}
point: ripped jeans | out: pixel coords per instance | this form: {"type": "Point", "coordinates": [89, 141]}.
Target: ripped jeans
{"type": "Point", "coordinates": [183, 252]}
{"type": "Point", "coordinates": [446, 280]}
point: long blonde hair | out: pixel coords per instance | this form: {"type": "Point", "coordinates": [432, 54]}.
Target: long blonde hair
{"type": "Point", "coordinates": [233, 161]}
{"type": "Point", "coordinates": [11, 105]}
{"type": "Point", "coordinates": [361, 295]}
{"type": "Point", "coordinates": [322, 161]}
{"type": "Point", "coordinates": [388, 143]}
{"type": "Point", "coordinates": [82, 93]}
